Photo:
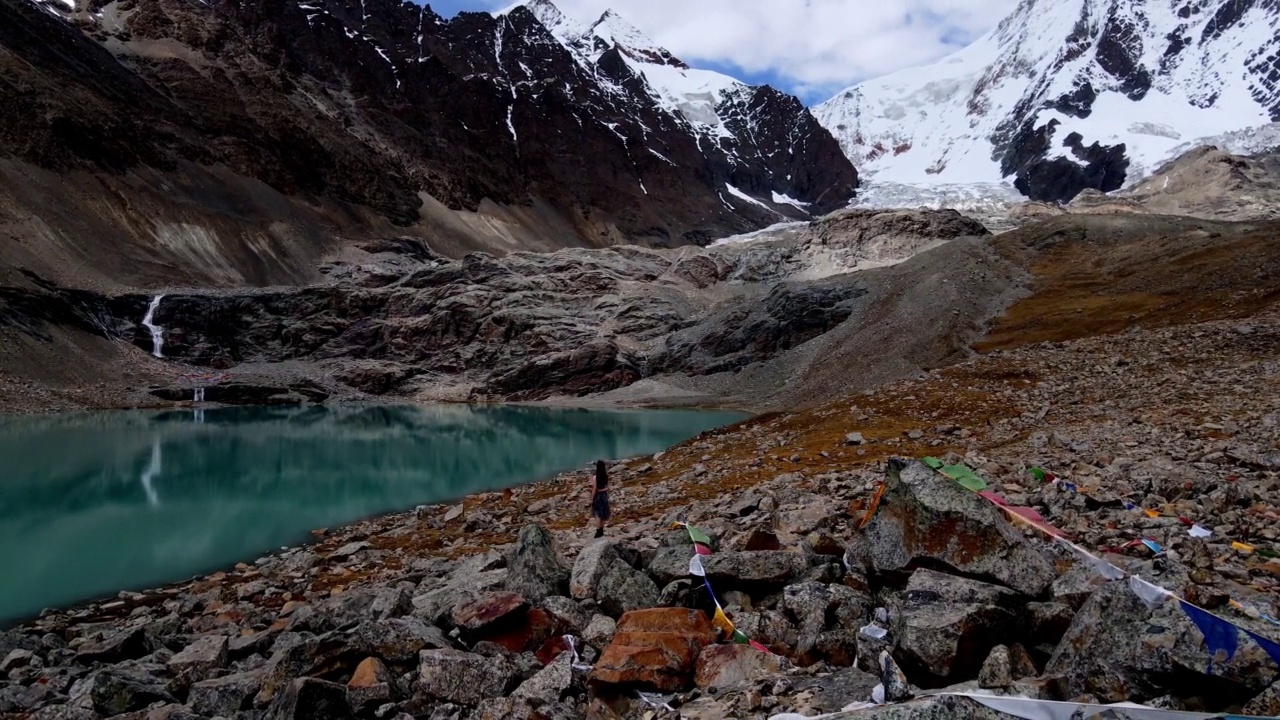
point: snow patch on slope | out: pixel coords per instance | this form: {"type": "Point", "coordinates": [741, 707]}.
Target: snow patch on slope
{"type": "Point", "coordinates": [688, 94]}
{"type": "Point", "coordinates": [743, 196]}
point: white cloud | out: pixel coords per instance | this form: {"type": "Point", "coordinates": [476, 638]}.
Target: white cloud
{"type": "Point", "coordinates": [813, 45]}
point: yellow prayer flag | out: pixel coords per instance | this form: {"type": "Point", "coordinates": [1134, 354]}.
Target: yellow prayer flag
{"type": "Point", "coordinates": [1243, 547]}
{"type": "Point", "coordinates": [722, 622]}
{"type": "Point", "coordinates": [1151, 513]}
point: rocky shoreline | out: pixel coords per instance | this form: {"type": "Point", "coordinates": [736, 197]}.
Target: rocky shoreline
{"type": "Point", "coordinates": [466, 610]}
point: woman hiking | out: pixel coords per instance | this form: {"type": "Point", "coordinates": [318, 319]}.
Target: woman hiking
{"type": "Point", "coordinates": [600, 497]}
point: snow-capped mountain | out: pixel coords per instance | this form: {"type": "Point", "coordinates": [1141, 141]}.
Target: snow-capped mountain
{"type": "Point", "coordinates": [1068, 94]}
{"type": "Point", "coordinates": [735, 123]}
{"type": "Point", "coordinates": [576, 133]}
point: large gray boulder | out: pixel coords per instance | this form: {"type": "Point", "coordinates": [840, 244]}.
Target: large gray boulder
{"type": "Point", "coordinates": [437, 598]}
{"type": "Point", "coordinates": [534, 568]}
{"type": "Point", "coordinates": [602, 573]}
{"type": "Point", "coordinates": [463, 678]}
{"type": "Point", "coordinates": [926, 519]}
{"type": "Point", "coordinates": [773, 568]}
{"type": "Point", "coordinates": [570, 615]}
{"type": "Point", "coordinates": [768, 627]}
{"type": "Point", "coordinates": [199, 659]}
{"type": "Point", "coordinates": [311, 699]}
{"type": "Point", "coordinates": [555, 682]}
{"type": "Point", "coordinates": [590, 567]}
{"type": "Point", "coordinates": [623, 589]}
{"type": "Point", "coordinates": [225, 696]}
{"type": "Point", "coordinates": [397, 640]}
{"type": "Point", "coordinates": [127, 644]}
{"type": "Point", "coordinates": [816, 609]}
{"type": "Point", "coordinates": [945, 626]}
{"type": "Point", "coordinates": [120, 690]}
{"type": "Point", "coordinates": [1117, 649]}
{"type": "Point", "coordinates": [360, 604]}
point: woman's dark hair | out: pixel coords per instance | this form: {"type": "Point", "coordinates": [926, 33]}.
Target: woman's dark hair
{"type": "Point", "coordinates": [602, 474]}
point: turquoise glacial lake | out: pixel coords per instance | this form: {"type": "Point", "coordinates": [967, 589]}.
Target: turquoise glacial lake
{"type": "Point", "coordinates": [91, 504]}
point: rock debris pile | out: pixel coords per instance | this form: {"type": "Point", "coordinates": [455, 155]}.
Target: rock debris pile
{"type": "Point", "coordinates": [867, 581]}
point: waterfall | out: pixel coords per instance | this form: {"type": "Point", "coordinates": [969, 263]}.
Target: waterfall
{"type": "Point", "coordinates": [157, 333]}
{"type": "Point", "coordinates": [153, 469]}
{"type": "Point", "coordinates": [198, 395]}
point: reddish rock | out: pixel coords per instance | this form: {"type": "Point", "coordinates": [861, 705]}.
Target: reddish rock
{"type": "Point", "coordinates": [488, 610]}
{"type": "Point", "coordinates": [552, 648]}
{"type": "Point", "coordinates": [524, 632]}
{"type": "Point", "coordinates": [655, 648]}
{"type": "Point", "coordinates": [722, 666]}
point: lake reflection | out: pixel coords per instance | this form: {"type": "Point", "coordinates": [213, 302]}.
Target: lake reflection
{"type": "Point", "coordinates": [94, 503]}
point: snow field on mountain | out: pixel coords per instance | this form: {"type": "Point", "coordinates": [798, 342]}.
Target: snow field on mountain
{"type": "Point", "coordinates": [945, 123]}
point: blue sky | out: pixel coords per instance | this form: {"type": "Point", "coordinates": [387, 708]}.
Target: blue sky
{"type": "Point", "coordinates": [811, 48]}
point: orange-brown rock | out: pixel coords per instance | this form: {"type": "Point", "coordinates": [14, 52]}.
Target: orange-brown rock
{"type": "Point", "coordinates": [724, 666]}
{"type": "Point", "coordinates": [370, 672]}
{"type": "Point", "coordinates": [655, 648]}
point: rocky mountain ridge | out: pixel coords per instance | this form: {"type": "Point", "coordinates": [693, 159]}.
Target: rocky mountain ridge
{"type": "Point", "coordinates": [396, 319]}
{"type": "Point", "coordinates": [341, 118]}
{"type": "Point", "coordinates": [1065, 96]}
{"type": "Point", "coordinates": [1205, 182]}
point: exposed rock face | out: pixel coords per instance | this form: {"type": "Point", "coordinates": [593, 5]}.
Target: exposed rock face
{"type": "Point", "coordinates": [382, 108]}
{"type": "Point", "coordinates": [117, 691]}
{"type": "Point", "coordinates": [199, 659]}
{"type": "Point", "coordinates": [531, 326]}
{"type": "Point", "coordinates": [1204, 182]}
{"type": "Point", "coordinates": [311, 699]}
{"type": "Point", "coordinates": [225, 695]}
{"type": "Point", "coordinates": [924, 517]}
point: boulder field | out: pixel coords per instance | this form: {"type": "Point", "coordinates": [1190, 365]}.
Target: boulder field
{"type": "Point", "coordinates": [929, 590]}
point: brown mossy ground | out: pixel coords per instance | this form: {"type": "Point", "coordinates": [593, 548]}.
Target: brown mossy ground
{"type": "Point", "coordinates": [1086, 284]}
{"type": "Point", "coordinates": [1083, 287]}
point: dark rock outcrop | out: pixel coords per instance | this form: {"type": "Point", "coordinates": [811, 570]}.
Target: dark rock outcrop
{"type": "Point", "coordinates": [373, 105]}
{"type": "Point", "coordinates": [522, 327]}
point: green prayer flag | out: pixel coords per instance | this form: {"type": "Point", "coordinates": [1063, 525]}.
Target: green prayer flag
{"type": "Point", "coordinates": [740, 638]}
{"type": "Point", "coordinates": [1038, 474]}
{"type": "Point", "coordinates": [966, 477]}
{"type": "Point", "coordinates": [932, 462]}
{"type": "Point", "coordinates": [698, 536]}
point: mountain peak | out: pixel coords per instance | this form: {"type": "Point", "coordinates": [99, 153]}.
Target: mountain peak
{"type": "Point", "coordinates": [556, 22]}
{"type": "Point", "coordinates": [615, 31]}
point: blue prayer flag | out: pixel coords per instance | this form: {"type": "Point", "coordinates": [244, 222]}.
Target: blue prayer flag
{"type": "Point", "coordinates": [1218, 633]}
{"type": "Point", "coordinates": [1272, 647]}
